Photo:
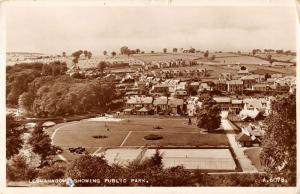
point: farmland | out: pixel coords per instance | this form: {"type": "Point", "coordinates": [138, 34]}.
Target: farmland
{"type": "Point", "coordinates": [224, 62]}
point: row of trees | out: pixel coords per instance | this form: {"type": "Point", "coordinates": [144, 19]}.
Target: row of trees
{"type": "Point", "coordinates": [279, 142]}
{"type": "Point", "coordinates": [19, 77]}
{"type": "Point", "coordinates": [61, 96]}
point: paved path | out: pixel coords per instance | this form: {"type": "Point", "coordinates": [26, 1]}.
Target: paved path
{"type": "Point", "coordinates": [129, 133]}
{"type": "Point", "coordinates": [244, 161]}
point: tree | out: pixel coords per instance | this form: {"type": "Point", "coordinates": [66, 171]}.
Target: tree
{"type": "Point", "coordinates": [124, 50]}
{"type": "Point", "coordinates": [192, 90]}
{"type": "Point", "coordinates": [101, 66]}
{"type": "Point", "coordinates": [19, 170]}
{"type": "Point", "coordinates": [89, 167]}
{"type": "Point", "coordinates": [26, 101]}
{"type": "Point", "coordinates": [14, 140]}
{"type": "Point", "coordinates": [279, 142]}
{"type": "Point", "coordinates": [104, 53]}
{"type": "Point", "coordinates": [243, 68]}
{"type": "Point", "coordinates": [267, 75]}
{"type": "Point", "coordinates": [75, 60]}
{"type": "Point", "coordinates": [208, 116]}
{"type": "Point", "coordinates": [137, 51]}
{"type": "Point", "coordinates": [192, 50]}
{"type": "Point", "coordinates": [269, 58]}
{"type": "Point", "coordinates": [213, 57]}
{"type": "Point", "coordinates": [113, 54]}
{"type": "Point", "coordinates": [152, 52]}
{"type": "Point", "coordinates": [206, 54]}
{"type": "Point", "coordinates": [175, 50]}
{"type": "Point", "coordinates": [64, 54]}
{"type": "Point", "coordinates": [41, 144]}
{"type": "Point", "coordinates": [54, 171]}
{"type": "Point", "coordinates": [77, 54]}
{"type": "Point", "coordinates": [89, 55]}
{"type": "Point", "coordinates": [156, 160]}
{"type": "Point", "coordinates": [85, 52]}
{"type": "Point", "coordinates": [165, 50]}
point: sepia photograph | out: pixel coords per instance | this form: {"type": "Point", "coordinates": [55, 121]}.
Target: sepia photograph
{"type": "Point", "coordinates": [166, 95]}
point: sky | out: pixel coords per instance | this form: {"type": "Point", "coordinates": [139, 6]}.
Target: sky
{"type": "Point", "coordinates": [54, 29]}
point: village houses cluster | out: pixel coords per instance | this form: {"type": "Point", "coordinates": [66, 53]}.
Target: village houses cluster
{"type": "Point", "coordinates": [151, 92]}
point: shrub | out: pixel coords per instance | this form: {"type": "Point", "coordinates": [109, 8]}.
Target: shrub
{"type": "Point", "coordinates": [99, 136]}
{"type": "Point", "coordinates": [153, 137]}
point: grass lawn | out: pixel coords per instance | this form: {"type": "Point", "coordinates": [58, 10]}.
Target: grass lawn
{"type": "Point", "coordinates": [253, 155]}
{"type": "Point", "coordinates": [177, 139]}
{"type": "Point", "coordinates": [175, 132]}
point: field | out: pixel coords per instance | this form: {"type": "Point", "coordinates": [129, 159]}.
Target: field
{"type": "Point", "coordinates": [130, 133]}
{"type": "Point", "coordinates": [219, 65]}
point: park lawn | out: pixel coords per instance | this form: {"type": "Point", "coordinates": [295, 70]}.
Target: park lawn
{"type": "Point", "coordinates": [176, 132]}
{"type": "Point", "coordinates": [177, 139]}
{"type": "Point", "coordinates": [253, 155]}
{"type": "Point", "coordinates": [69, 138]}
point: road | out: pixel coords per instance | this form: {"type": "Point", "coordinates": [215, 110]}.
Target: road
{"type": "Point", "coordinates": [244, 161]}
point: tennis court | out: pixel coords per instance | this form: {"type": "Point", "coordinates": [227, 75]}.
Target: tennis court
{"type": "Point", "coordinates": [204, 159]}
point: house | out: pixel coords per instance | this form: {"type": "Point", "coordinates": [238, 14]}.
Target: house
{"type": "Point", "coordinates": [276, 75]}
{"type": "Point", "coordinates": [175, 106]}
{"type": "Point", "coordinates": [136, 102]}
{"type": "Point", "coordinates": [127, 79]}
{"type": "Point", "coordinates": [250, 136]}
{"type": "Point", "coordinates": [195, 85]}
{"type": "Point", "coordinates": [261, 87]}
{"type": "Point", "coordinates": [225, 76]}
{"type": "Point", "coordinates": [281, 85]}
{"type": "Point", "coordinates": [243, 72]}
{"type": "Point", "coordinates": [181, 86]}
{"type": "Point", "coordinates": [235, 86]}
{"type": "Point", "coordinates": [160, 89]}
{"type": "Point", "coordinates": [248, 81]}
{"type": "Point", "coordinates": [254, 107]}
{"type": "Point", "coordinates": [205, 86]}
{"type": "Point", "coordinates": [258, 78]}
{"type": "Point", "coordinates": [224, 102]}
{"type": "Point", "coordinates": [236, 106]}
{"type": "Point", "coordinates": [182, 94]}
{"type": "Point", "coordinates": [142, 111]}
{"type": "Point", "coordinates": [220, 85]}
{"type": "Point", "coordinates": [160, 104]}
{"type": "Point", "coordinates": [245, 139]}
{"type": "Point", "coordinates": [128, 111]}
